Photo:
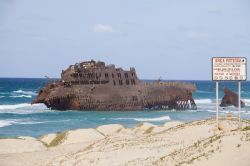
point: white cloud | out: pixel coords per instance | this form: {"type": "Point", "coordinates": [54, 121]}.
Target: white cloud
{"type": "Point", "coordinates": [102, 28]}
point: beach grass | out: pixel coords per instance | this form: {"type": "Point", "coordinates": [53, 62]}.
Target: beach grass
{"type": "Point", "coordinates": [246, 128]}
{"type": "Point", "coordinates": [60, 137]}
{"type": "Point", "coordinates": [149, 130]}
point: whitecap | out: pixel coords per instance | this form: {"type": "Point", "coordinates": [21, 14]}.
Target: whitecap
{"type": "Point", "coordinates": [162, 118]}
{"type": "Point", "coordinates": [246, 101]}
{"type": "Point", "coordinates": [203, 101]}
{"type": "Point", "coordinates": [14, 106]}
{"type": "Point", "coordinates": [21, 96]}
{"type": "Point", "coordinates": [25, 92]}
{"type": "Point", "coordinates": [23, 108]}
{"type": "Point", "coordinates": [201, 91]}
{"type": "Point", "coordinates": [40, 122]}
{"type": "Point", "coordinates": [4, 123]}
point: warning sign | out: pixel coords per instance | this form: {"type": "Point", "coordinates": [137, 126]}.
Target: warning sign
{"type": "Point", "coordinates": [229, 68]}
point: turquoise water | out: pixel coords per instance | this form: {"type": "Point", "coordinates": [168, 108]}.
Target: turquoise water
{"type": "Point", "coordinates": [19, 118]}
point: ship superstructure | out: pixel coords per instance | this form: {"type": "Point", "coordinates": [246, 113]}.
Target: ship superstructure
{"type": "Point", "coordinates": [92, 85]}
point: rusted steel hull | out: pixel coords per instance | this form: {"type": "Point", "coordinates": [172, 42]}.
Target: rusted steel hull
{"type": "Point", "coordinates": [230, 98]}
{"type": "Point", "coordinates": [101, 97]}
{"type": "Point", "coordinates": [94, 86]}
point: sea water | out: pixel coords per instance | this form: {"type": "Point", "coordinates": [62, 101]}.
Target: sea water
{"type": "Point", "coordinates": [19, 118]}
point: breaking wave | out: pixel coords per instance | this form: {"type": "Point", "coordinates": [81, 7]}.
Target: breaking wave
{"type": "Point", "coordinates": [25, 92]}
{"type": "Point", "coordinates": [162, 118]}
{"type": "Point", "coordinates": [23, 108]}
{"type": "Point", "coordinates": [21, 96]}
{"type": "Point", "coordinates": [247, 101]}
{"type": "Point", "coordinates": [14, 106]}
{"type": "Point", "coordinates": [4, 123]}
{"type": "Point", "coordinates": [18, 94]}
{"type": "Point", "coordinates": [203, 101]}
{"type": "Point", "coordinates": [40, 122]}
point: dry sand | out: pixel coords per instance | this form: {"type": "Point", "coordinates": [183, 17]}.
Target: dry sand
{"type": "Point", "coordinates": [174, 143]}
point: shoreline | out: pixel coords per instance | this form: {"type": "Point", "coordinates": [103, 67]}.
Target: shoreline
{"type": "Point", "coordinates": [174, 143]}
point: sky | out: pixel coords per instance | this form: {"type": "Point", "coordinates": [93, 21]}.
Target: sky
{"type": "Point", "coordinates": [171, 39]}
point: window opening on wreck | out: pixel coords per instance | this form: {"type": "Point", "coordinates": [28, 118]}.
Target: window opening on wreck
{"type": "Point", "coordinates": [119, 75]}
{"type": "Point", "coordinates": [126, 75]}
{"type": "Point", "coordinates": [133, 74]}
{"type": "Point", "coordinates": [113, 75]}
{"type": "Point", "coordinates": [127, 82]}
{"type": "Point", "coordinates": [133, 82]}
{"type": "Point", "coordinates": [106, 75]}
{"type": "Point", "coordinates": [120, 82]}
{"type": "Point", "coordinates": [114, 82]}
{"type": "Point", "coordinates": [134, 98]}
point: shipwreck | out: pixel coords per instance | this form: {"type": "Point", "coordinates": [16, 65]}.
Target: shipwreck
{"type": "Point", "coordinates": [93, 85]}
{"type": "Point", "coordinates": [231, 99]}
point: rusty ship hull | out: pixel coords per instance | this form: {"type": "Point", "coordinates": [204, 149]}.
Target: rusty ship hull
{"type": "Point", "coordinates": [92, 85]}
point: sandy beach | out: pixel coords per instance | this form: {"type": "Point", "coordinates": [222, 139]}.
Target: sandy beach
{"type": "Point", "coordinates": [174, 143]}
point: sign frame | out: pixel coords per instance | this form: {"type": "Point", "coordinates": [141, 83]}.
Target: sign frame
{"type": "Point", "coordinates": [239, 92]}
{"type": "Point", "coordinates": [228, 79]}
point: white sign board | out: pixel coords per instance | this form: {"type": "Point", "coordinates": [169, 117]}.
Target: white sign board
{"type": "Point", "coordinates": [229, 68]}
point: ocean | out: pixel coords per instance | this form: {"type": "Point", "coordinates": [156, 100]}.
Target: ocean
{"type": "Point", "coordinates": [19, 118]}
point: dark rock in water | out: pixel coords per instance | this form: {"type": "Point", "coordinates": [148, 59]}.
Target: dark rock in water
{"type": "Point", "coordinates": [93, 85]}
{"type": "Point", "coordinates": [230, 98]}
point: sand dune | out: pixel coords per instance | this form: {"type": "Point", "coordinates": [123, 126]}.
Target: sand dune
{"type": "Point", "coordinates": [110, 129]}
{"type": "Point", "coordinates": [175, 143]}
{"type": "Point", "coordinates": [9, 146]}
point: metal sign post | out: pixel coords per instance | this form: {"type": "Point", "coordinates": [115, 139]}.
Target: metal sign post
{"type": "Point", "coordinates": [239, 103]}
{"type": "Point", "coordinates": [229, 69]}
{"type": "Point", "coordinates": [217, 104]}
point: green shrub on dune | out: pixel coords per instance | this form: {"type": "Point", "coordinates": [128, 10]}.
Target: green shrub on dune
{"type": "Point", "coordinates": [60, 137]}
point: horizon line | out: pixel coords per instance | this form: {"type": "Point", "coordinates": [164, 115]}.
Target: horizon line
{"type": "Point", "coordinates": [140, 79]}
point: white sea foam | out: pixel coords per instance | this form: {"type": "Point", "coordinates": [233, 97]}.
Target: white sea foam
{"type": "Point", "coordinates": [247, 101]}
{"type": "Point", "coordinates": [21, 96]}
{"type": "Point", "coordinates": [23, 108]}
{"type": "Point", "coordinates": [2, 96]}
{"type": "Point", "coordinates": [162, 118]}
{"type": "Point", "coordinates": [9, 122]}
{"type": "Point", "coordinates": [14, 106]}
{"type": "Point", "coordinates": [39, 122]}
{"type": "Point", "coordinates": [25, 92]}
{"type": "Point", "coordinates": [203, 101]}
{"type": "Point", "coordinates": [4, 123]}
{"type": "Point", "coordinates": [231, 110]}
